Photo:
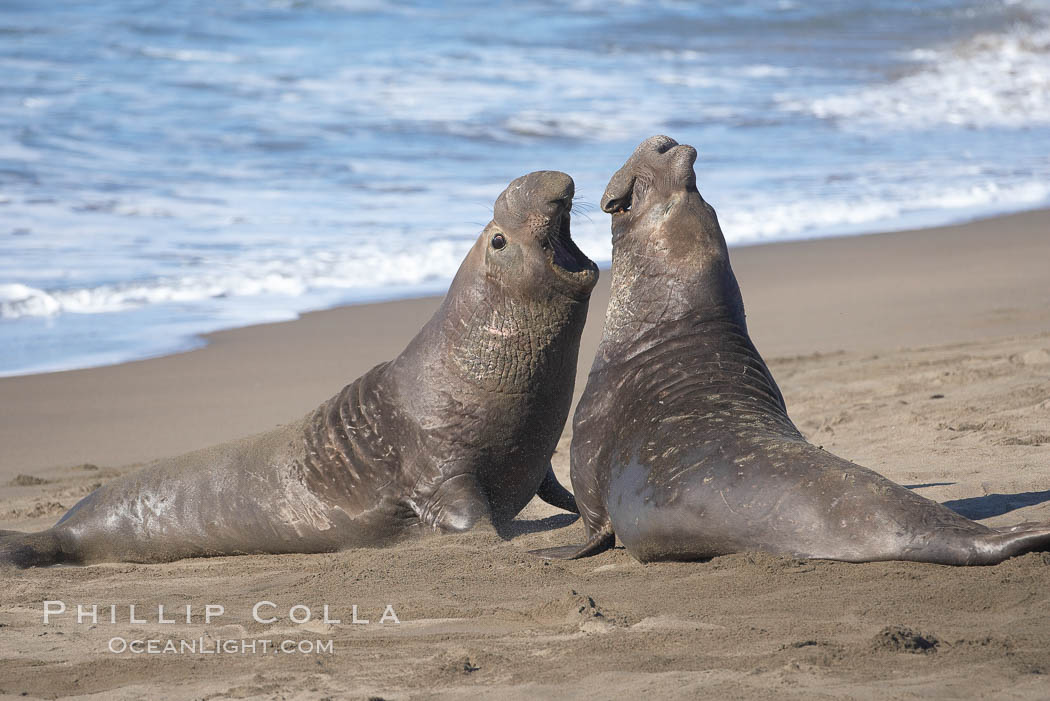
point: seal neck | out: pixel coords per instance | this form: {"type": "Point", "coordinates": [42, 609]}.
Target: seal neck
{"type": "Point", "coordinates": [656, 289]}
{"type": "Point", "coordinates": [488, 338]}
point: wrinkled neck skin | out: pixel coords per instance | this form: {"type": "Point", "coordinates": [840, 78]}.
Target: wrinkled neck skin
{"type": "Point", "coordinates": [486, 388]}
{"type": "Point", "coordinates": [670, 275]}
{"type": "Point", "coordinates": [494, 338]}
{"type": "Point", "coordinates": [488, 382]}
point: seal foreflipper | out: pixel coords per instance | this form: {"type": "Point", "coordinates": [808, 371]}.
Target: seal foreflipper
{"type": "Point", "coordinates": [552, 492]}
{"type": "Point", "coordinates": [601, 541]}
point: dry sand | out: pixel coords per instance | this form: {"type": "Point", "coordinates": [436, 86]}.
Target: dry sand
{"type": "Point", "coordinates": [923, 355]}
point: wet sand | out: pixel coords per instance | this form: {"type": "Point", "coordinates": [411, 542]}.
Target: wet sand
{"type": "Point", "coordinates": [922, 355]}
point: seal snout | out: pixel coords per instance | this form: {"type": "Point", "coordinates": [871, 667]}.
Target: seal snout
{"type": "Point", "coordinates": [544, 193]}
{"type": "Point", "coordinates": [552, 187]}
{"type": "Point", "coordinates": [657, 159]}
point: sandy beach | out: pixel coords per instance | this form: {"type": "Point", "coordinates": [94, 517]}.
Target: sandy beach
{"type": "Point", "coordinates": [923, 355]}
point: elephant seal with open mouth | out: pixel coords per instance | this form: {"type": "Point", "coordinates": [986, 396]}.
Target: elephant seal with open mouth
{"type": "Point", "coordinates": [682, 447]}
{"type": "Point", "coordinates": [455, 432]}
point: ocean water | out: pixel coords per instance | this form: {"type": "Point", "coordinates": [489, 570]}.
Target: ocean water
{"type": "Point", "coordinates": [172, 168]}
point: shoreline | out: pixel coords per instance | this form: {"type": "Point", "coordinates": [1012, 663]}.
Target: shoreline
{"type": "Point", "coordinates": [865, 293]}
{"type": "Point", "coordinates": [197, 341]}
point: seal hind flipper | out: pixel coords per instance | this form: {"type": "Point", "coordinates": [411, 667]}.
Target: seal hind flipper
{"type": "Point", "coordinates": [552, 492]}
{"type": "Point", "coordinates": [1018, 540]}
{"type": "Point", "coordinates": [601, 541]}
{"type": "Point", "coordinates": [31, 549]}
{"type": "Point", "coordinates": [986, 548]}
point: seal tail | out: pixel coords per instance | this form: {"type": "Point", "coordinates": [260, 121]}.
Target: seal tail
{"type": "Point", "coordinates": [30, 549]}
{"type": "Point", "coordinates": [601, 541]}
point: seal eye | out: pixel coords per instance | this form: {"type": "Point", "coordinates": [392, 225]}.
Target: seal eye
{"type": "Point", "coordinates": [499, 241]}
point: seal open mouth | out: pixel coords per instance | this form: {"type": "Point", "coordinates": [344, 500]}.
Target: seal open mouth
{"type": "Point", "coordinates": [538, 206]}
{"type": "Point", "coordinates": [565, 257]}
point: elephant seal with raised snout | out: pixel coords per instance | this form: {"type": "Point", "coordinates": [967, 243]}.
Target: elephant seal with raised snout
{"type": "Point", "coordinates": [455, 432]}
{"type": "Point", "coordinates": [682, 447]}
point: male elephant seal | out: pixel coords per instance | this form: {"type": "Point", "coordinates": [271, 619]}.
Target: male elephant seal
{"type": "Point", "coordinates": [456, 431]}
{"type": "Point", "coordinates": [682, 446]}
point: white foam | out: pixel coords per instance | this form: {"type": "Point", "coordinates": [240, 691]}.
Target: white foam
{"type": "Point", "coordinates": [992, 80]}
{"type": "Point", "coordinates": [906, 205]}
{"type": "Point", "coordinates": [763, 70]}
{"type": "Point", "coordinates": [573, 125]}
{"type": "Point", "coordinates": [557, 93]}
{"type": "Point", "coordinates": [370, 267]}
{"type": "Point", "coordinates": [23, 300]}
{"type": "Point", "coordinates": [189, 55]}
{"type": "Point", "coordinates": [366, 268]}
